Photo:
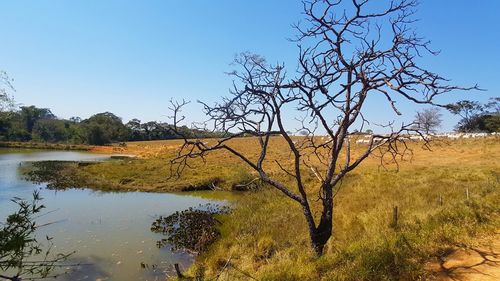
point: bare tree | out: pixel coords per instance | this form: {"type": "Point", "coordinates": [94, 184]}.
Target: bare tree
{"type": "Point", "coordinates": [428, 120]}
{"type": "Point", "coordinates": [6, 103]}
{"type": "Point", "coordinates": [348, 50]}
{"type": "Point", "coordinates": [6, 100]}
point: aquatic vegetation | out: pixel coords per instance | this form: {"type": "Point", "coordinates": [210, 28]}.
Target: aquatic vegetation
{"type": "Point", "coordinates": [57, 174]}
{"type": "Point", "coordinates": [193, 229]}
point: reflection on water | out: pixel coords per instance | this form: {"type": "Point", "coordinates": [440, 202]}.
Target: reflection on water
{"type": "Point", "coordinates": [110, 231]}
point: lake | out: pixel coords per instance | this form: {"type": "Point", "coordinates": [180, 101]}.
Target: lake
{"type": "Point", "coordinates": [110, 231]}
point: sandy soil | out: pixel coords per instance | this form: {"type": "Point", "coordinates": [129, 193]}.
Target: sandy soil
{"type": "Point", "coordinates": [481, 263]}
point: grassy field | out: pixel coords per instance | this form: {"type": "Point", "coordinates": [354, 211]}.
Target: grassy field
{"type": "Point", "coordinates": [265, 237]}
{"type": "Point", "coordinates": [150, 170]}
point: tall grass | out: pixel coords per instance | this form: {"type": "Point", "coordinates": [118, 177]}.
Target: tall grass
{"type": "Point", "coordinates": [266, 236]}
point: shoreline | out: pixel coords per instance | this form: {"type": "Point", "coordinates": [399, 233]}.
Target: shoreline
{"type": "Point", "coordinates": [109, 150]}
{"type": "Point", "coordinates": [41, 145]}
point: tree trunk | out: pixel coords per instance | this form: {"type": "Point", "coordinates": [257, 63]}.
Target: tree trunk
{"type": "Point", "coordinates": [319, 237]}
{"type": "Point", "coordinates": [321, 234]}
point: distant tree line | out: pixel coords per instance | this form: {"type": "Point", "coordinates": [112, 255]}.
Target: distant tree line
{"type": "Point", "coordinates": [30, 123]}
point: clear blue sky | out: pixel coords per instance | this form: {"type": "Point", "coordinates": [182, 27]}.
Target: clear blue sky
{"type": "Point", "coordinates": [130, 57]}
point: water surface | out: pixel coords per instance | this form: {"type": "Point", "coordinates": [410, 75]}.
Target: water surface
{"type": "Point", "coordinates": [110, 232]}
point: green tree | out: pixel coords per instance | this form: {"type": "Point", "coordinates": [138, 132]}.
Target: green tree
{"type": "Point", "coordinates": [135, 129]}
{"type": "Point", "coordinates": [492, 123]}
{"type": "Point", "coordinates": [97, 135]}
{"type": "Point", "coordinates": [75, 132]}
{"type": "Point", "coordinates": [50, 130]}
{"type": "Point", "coordinates": [19, 244]}
{"type": "Point", "coordinates": [31, 114]}
{"type": "Point", "coordinates": [476, 116]}
{"type": "Point", "coordinates": [482, 123]}
{"type": "Point", "coordinates": [104, 128]}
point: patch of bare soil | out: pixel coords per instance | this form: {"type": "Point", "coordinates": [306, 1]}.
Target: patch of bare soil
{"type": "Point", "coordinates": [481, 263]}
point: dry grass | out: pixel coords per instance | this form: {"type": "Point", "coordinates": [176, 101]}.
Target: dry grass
{"type": "Point", "coordinates": [151, 170]}
{"type": "Point", "coordinates": [265, 237]}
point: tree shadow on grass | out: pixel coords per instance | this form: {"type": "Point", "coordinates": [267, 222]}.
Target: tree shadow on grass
{"type": "Point", "coordinates": [470, 263]}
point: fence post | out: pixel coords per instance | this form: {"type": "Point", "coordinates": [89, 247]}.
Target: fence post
{"type": "Point", "coordinates": [440, 200]}
{"type": "Point", "coordinates": [467, 193]}
{"type": "Point", "coordinates": [395, 216]}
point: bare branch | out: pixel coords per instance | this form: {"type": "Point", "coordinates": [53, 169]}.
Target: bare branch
{"type": "Point", "coordinates": [344, 58]}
